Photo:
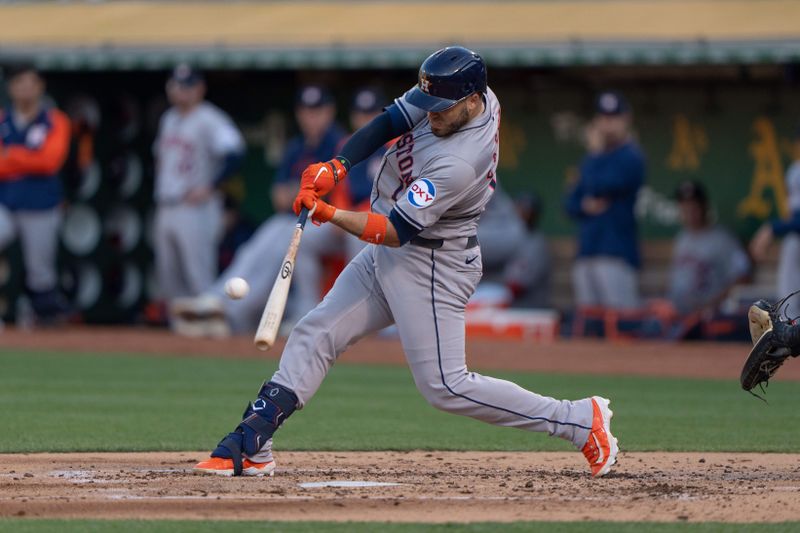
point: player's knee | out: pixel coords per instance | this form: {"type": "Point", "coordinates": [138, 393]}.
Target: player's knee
{"type": "Point", "coordinates": [311, 329]}
{"type": "Point", "coordinates": [314, 334]}
{"type": "Point", "coordinates": [441, 391]}
{"type": "Point", "coordinates": [436, 394]}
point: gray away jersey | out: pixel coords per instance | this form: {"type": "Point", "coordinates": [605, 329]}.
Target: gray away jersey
{"type": "Point", "coordinates": [440, 185]}
{"type": "Point", "coordinates": [704, 263]}
{"type": "Point", "coordinates": [190, 148]}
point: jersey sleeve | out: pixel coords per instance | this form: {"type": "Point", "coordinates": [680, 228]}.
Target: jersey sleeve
{"type": "Point", "coordinates": [401, 111]}
{"type": "Point", "coordinates": [45, 160]}
{"type": "Point", "coordinates": [224, 137]}
{"type": "Point", "coordinates": [442, 183]}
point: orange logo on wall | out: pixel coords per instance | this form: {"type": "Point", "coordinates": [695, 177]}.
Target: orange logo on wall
{"type": "Point", "coordinates": [767, 174]}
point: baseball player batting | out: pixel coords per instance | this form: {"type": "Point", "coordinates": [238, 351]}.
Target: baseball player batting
{"type": "Point", "coordinates": [421, 268]}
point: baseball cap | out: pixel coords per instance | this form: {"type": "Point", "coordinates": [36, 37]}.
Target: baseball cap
{"type": "Point", "coordinates": [611, 103]}
{"type": "Point", "coordinates": [313, 96]}
{"type": "Point", "coordinates": [368, 100]}
{"type": "Point", "coordinates": [186, 75]}
{"type": "Point", "coordinates": [15, 69]}
{"type": "Point", "coordinates": [691, 190]}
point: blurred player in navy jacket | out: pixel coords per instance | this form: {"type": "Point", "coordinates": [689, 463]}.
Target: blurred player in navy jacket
{"type": "Point", "coordinates": [34, 141]}
{"type": "Point", "coordinates": [605, 272]}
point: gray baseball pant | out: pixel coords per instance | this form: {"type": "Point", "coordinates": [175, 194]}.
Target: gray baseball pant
{"type": "Point", "coordinates": [425, 293]}
{"type": "Point", "coordinates": [38, 235]}
{"type": "Point", "coordinates": [605, 281]}
{"type": "Point", "coordinates": [186, 239]}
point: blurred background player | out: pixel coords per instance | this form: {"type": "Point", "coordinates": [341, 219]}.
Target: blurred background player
{"type": "Point", "coordinates": [34, 141]}
{"type": "Point", "coordinates": [237, 228]}
{"type": "Point", "coordinates": [602, 202]}
{"type": "Point", "coordinates": [517, 272]}
{"type": "Point", "coordinates": [789, 230]}
{"type": "Point", "coordinates": [197, 147]}
{"type": "Point", "coordinates": [501, 234]}
{"type": "Point", "coordinates": [259, 260]}
{"type": "Point", "coordinates": [354, 193]}
{"type": "Point", "coordinates": [527, 273]}
{"type": "Point", "coordinates": [707, 261]}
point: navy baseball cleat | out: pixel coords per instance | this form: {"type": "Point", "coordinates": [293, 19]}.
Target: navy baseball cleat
{"type": "Point", "coordinates": [247, 450]}
{"type": "Point", "coordinates": [261, 465]}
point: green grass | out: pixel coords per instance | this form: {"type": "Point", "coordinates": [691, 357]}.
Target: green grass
{"type": "Point", "coordinates": [120, 526]}
{"type": "Point", "coordinates": [75, 402]}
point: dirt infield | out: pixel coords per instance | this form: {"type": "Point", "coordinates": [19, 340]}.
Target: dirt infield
{"type": "Point", "coordinates": [694, 360]}
{"type": "Point", "coordinates": [430, 487]}
{"type": "Point", "coordinates": [425, 486]}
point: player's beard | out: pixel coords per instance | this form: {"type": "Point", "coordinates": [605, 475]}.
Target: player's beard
{"type": "Point", "coordinates": [447, 129]}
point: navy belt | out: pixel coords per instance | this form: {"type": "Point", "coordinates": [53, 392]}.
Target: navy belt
{"type": "Point", "coordinates": [435, 244]}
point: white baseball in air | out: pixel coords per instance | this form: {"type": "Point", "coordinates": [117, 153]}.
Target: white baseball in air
{"type": "Point", "coordinates": [237, 288]}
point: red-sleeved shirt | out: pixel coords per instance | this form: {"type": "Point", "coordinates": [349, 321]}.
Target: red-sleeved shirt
{"type": "Point", "coordinates": [31, 158]}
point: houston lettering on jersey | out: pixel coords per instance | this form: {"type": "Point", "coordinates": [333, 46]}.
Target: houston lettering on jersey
{"type": "Point", "coordinates": [405, 163]}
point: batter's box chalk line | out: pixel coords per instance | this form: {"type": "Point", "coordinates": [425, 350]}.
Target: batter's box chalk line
{"type": "Point", "coordinates": [346, 484]}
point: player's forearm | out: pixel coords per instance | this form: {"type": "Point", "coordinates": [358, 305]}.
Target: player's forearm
{"type": "Point", "coordinates": [356, 223]}
{"type": "Point", "coordinates": [46, 160]}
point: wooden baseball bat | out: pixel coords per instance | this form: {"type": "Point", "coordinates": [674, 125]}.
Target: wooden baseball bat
{"type": "Point", "coordinates": [273, 312]}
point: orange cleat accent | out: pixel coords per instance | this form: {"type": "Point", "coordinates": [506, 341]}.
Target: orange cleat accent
{"type": "Point", "coordinates": [601, 447]}
{"type": "Point", "coordinates": [224, 467]}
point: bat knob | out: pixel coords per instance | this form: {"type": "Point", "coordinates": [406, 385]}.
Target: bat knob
{"type": "Point", "coordinates": [263, 345]}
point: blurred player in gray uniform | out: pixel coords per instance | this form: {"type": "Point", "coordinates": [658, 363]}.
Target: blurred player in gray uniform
{"type": "Point", "coordinates": [706, 259]}
{"type": "Point", "coordinates": [510, 264]}
{"type": "Point", "coordinates": [418, 273]}
{"type": "Point", "coordinates": [501, 233]}
{"type": "Point", "coordinates": [197, 147]}
{"type": "Point", "coordinates": [706, 262]}
{"type": "Point", "coordinates": [260, 258]}
{"type": "Point", "coordinates": [527, 272]}
{"type": "Point", "coordinates": [789, 231]}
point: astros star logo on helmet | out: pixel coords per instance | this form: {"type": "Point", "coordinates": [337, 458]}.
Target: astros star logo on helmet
{"type": "Point", "coordinates": [425, 85]}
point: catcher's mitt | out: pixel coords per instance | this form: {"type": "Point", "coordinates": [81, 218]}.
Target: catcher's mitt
{"type": "Point", "coordinates": [773, 341]}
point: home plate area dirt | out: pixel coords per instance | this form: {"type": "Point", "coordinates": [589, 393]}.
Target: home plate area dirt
{"type": "Point", "coordinates": [407, 487]}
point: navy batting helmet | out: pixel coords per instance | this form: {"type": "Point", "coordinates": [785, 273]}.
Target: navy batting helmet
{"type": "Point", "coordinates": [448, 76]}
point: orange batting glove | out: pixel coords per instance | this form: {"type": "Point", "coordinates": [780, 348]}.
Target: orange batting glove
{"type": "Point", "coordinates": [323, 177]}
{"type": "Point", "coordinates": [305, 198]}
{"type": "Point", "coordinates": [322, 213]}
